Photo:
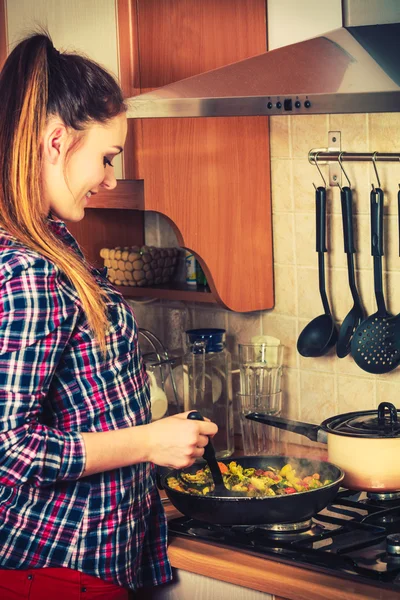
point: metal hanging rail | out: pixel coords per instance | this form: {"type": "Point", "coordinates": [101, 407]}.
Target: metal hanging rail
{"type": "Point", "coordinates": [325, 156]}
{"type": "Point", "coordinates": [333, 156]}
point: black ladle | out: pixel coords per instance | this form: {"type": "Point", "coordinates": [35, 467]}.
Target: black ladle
{"type": "Point", "coordinates": [356, 314]}
{"type": "Point", "coordinates": [318, 337]}
{"type": "Point", "coordinates": [210, 458]}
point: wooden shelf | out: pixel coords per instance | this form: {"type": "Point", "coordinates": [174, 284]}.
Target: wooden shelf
{"type": "Point", "coordinates": [170, 291]}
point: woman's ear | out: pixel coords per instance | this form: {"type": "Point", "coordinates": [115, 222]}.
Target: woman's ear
{"type": "Point", "coordinates": [54, 141]}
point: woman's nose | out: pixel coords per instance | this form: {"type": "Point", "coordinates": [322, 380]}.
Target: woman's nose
{"type": "Point", "coordinates": [109, 181]}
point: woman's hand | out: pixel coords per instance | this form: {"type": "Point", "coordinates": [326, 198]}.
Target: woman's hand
{"type": "Point", "coordinates": [177, 441]}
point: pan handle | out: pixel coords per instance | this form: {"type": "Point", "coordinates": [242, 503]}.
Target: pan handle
{"type": "Point", "coordinates": [312, 432]}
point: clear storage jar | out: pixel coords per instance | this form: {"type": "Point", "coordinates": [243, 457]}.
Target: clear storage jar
{"type": "Point", "coordinates": [208, 383]}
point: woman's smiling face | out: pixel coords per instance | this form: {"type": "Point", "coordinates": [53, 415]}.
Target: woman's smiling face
{"type": "Point", "coordinates": [74, 169]}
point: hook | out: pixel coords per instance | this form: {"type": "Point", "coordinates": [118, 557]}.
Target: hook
{"type": "Point", "coordinates": [341, 166]}
{"type": "Point", "coordinates": [320, 172]}
{"type": "Point", "coordinates": [376, 171]}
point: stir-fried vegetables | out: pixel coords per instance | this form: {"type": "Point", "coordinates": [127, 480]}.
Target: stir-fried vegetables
{"type": "Point", "coordinates": [250, 482]}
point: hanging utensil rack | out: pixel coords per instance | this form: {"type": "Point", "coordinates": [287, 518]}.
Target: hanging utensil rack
{"type": "Point", "coordinates": [333, 155]}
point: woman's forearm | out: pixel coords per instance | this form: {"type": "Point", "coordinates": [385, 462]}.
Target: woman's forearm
{"type": "Point", "coordinates": [171, 442]}
{"type": "Point", "coordinates": [114, 449]}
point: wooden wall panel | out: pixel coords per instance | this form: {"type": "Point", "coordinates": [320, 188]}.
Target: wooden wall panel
{"type": "Point", "coordinates": [210, 177]}
{"type": "Point", "coordinates": [181, 38]}
{"type": "Point", "coordinates": [3, 33]}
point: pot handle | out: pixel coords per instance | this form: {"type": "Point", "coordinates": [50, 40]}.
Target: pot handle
{"type": "Point", "coordinates": [312, 432]}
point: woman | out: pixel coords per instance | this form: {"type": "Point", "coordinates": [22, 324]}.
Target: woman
{"type": "Point", "coordinates": [79, 510]}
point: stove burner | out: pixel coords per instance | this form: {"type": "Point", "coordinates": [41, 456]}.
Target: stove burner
{"type": "Point", "coordinates": [383, 496]}
{"type": "Point", "coordinates": [287, 527]}
{"type": "Point", "coordinates": [393, 544]}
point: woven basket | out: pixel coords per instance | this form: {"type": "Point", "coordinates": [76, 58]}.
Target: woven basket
{"type": "Point", "coordinates": [140, 266]}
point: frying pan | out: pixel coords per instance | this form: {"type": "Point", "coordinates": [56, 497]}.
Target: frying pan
{"type": "Point", "coordinates": [256, 510]}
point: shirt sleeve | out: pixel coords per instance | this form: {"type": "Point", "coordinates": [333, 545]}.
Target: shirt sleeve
{"type": "Point", "coordinates": [38, 312]}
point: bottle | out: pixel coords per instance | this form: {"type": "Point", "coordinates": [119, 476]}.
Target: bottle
{"type": "Point", "coordinates": [200, 277]}
{"type": "Point", "coordinates": [190, 262]}
{"type": "Point", "coordinates": [208, 383]}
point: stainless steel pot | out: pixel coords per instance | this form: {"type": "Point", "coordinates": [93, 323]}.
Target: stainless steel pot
{"type": "Point", "coordinates": [365, 444]}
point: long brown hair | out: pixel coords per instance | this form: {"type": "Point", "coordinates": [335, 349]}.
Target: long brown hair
{"type": "Point", "coordinates": [37, 82]}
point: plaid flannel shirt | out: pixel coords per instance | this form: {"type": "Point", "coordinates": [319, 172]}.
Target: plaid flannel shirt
{"type": "Point", "coordinates": [55, 384]}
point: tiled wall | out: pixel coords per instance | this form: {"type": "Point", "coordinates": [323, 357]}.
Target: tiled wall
{"type": "Point", "coordinates": [314, 388]}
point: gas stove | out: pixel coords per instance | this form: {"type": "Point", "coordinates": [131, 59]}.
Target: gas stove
{"type": "Point", "coordinates": [357, 536]}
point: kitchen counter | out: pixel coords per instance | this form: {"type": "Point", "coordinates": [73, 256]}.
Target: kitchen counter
{"type": "Point", "coordinates": [265, 575]}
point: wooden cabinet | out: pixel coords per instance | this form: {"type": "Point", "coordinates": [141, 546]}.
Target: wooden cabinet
{"type": "Point", "coordinates": [209, 177]}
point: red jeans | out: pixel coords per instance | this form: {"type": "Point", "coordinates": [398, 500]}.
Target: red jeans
{"type": "Point", "coordinates": [56, 584]}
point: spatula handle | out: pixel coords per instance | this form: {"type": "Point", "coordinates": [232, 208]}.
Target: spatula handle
{"type": "Point", "coordinates": [347, 218]}
{"type": "Point", "coordinates": [209, 452]}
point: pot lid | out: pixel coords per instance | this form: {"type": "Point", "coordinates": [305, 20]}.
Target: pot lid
{"type": "Point", "coordinates": [381, 423]}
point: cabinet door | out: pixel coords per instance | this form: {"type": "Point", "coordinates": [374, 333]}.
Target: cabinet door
{"type": "Point", "coordinates": [210, 177]}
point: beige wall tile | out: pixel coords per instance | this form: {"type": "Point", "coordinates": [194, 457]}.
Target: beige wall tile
{"type": "Point", "coordinates": [318, 397]}
{"type": "Point", "coordinates": [291, 393]}
{"type": "Point", "coordinates": [308, 132]}
{"type": "Point", "coordinates": [281, 186]}
{"type": "Point", "coordinates": [355, 393]}
{"type": "Point", "coordinates": [362, 242]}
{"type": "Point", "coordinates": [391, 232]}
{"type": "Point", "coordinates": [389, 175]}
{"type": "Point", "coordinates": [309, 301]}
{"type": "Point", "coordinates": [243, 326]}
{"type": "Point", "coordinates": [150, 315]}
{"type": "Point", "coordinates": [391, 282]}
{"type": "Point", "coordinates": [285, 290]}
{"type": "Point", "coordinates": [304, 176]}
{"type": "Point", "coordinates": [387, 392]}
{"type": "Point", "coordinates": [384, 132]}
{"type": "Point", "coordinates": [284, 328]}
{"type": "Point", "coordinates": [176, 321]}
{"type": "Point", "coordinates": [305, 241]}
{"type": "Point", "coordinates": [203, 316]}
{"type": "Point", "coordinates": [354, 131]}
{"type": "Point", "coordinates": [283, 235]}
{"type": "Point", "coordinates": [279, 128]}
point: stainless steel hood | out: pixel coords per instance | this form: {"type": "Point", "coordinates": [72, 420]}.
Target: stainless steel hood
{"type": "Point", "coordinates": [348, 70]}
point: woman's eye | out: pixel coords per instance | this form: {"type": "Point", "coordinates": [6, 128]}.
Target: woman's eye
{"type": "Point", "coordinates": [107, 162]}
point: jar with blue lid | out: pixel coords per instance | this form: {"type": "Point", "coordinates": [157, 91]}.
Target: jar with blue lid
{"type": "Point", "coordinates": [207, 370]}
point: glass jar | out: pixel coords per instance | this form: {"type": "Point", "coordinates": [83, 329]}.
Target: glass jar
{"type": "Point", "coordinates": [208, 383]}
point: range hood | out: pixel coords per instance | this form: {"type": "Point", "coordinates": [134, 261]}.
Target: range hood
{"type": "Point", "coordinates": [348, 70]}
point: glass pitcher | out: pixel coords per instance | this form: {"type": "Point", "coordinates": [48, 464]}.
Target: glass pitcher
{"type": "Point", "coordinates": [208, 383]}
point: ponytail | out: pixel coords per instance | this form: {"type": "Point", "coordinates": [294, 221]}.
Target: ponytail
{"type": "Point", "coordinates": [37, 82]}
